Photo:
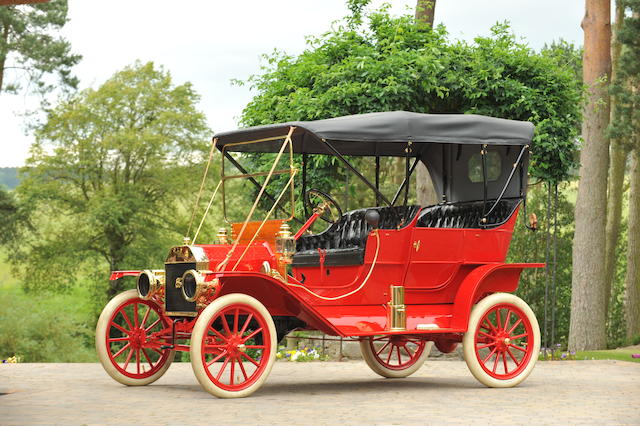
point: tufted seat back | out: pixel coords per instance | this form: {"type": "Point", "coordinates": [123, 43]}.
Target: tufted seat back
{"type": "Point", "coordinates": [466, 215]}
{"type": "Point", "coordinates": [352, 229]}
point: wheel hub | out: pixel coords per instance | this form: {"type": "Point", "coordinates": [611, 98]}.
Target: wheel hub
{"type": "Point", "coordinates": [137, 338]}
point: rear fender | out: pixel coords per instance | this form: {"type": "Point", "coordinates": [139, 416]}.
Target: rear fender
{"type": "Point", "coordinates": [275, 296]}
{"type": "Point", "coordinates": [483, 280]}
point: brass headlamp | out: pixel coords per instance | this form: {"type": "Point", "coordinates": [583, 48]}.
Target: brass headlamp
{"type": "Point", "coordinates": [148, 283]}
{"type": "Point", "coordinates": [285, 244]}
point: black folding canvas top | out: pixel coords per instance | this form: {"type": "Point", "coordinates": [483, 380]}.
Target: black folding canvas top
{"type": "Point", "coordinates": [383, 133]}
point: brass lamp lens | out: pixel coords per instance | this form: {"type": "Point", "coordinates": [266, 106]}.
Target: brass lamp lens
{"type": "Point", "coordinates": [189, 286]}
{"type": "Point", "coordinates": [144, 284]}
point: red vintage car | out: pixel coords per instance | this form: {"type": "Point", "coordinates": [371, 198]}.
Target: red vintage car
{"type": "Point", "coordinates": [394, 276]}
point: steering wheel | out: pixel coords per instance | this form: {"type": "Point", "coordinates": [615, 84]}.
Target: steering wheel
{"type": "Point", "coordinates": [314, 199]}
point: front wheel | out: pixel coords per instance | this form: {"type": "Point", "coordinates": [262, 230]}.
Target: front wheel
{"type": "Point", "coordinates": [394, 356]}
{"type": "Point", "coordinates": [233, 346]}
{"type": "Point", "coordinates": [128, 340]}
{"type": "Point", "coordinates": [502, 342]}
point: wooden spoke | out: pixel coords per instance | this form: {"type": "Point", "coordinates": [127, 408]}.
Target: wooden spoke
{"type": "Point", "coordinates": [224, 365]}
{"type": "Point", "coordinates": [121, 350]}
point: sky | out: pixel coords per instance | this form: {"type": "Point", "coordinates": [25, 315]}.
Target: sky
{"type": "Point", "coordinates": [209, 43]}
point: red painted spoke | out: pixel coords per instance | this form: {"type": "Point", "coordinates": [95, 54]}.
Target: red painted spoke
{"type": "Point", "coordinates": [235, 323]}
{"type": "Point", "coordinates": [233, 367]}
{"type": "Point", "coordinates": [126, 362]}
{"type": "Point", "coordinates": [126, 318]}
{"type": "Point", "coordinates": [135, 314]}
{"type": "Point", "coordinates": [138, 360]}
{"type": "Point", "coordinates": [118, 339]}
{"type": "Point", "coordinates": [375, 339]}
{"type": "Point", "coordinates": [253, 361]}
{"type": "Point", "coordinates": [224, 365]}
{"type": "Point", "coordinates": [152, 325]}
{"type": "Point", "coordinates": [223, 338]}
{"type": "Point", "coordinates": [484, 361]}
{"type": "Point", "coordinates": [120, 328]}
{"type": "Point", "coordinates": [121, 350]}
{"type": "Point", "coordinates": [504, 361]}
{"type": "Point", "coordinates": [225, 324]}
{"type": "Point", "coordinates": [415, 342]}
{"type": "Point", "coordinates": [215, 346]}
{"type": "Point", "coordinates": [519, 348]}
{"type": "Point", "coordinates": [146, 316]}
{"type": "Point", "coordinates": [147, 357]}
{"type": "Point", "coordinates": [495, 362]}
{"type": "Point", "coordinates": [499, 326]}
{"type": "Point", "coordinates": [244, 373]}
{"type": "Point", "coordinates": [513, 357]}
{"type": "Point", "coordinates": [252, 334]}
{"type": "Point", "coordinates": [399, 356]}
{"type": "Point", "coordinates": [390, 353]}
{"type": "Point", "coordinates": [506, 321]}
{"type": "Point", "coordinates": [485, 334]}
{"type": "Point", "coordinates": [519, 336]}
{"type": "Point", "coordinates": [491, 326]}
{"type": "Point", "coordinates": [216, 358]}
{"type": "Point", "coordinates": [157, 351]}
{"type": "Point", "coordinates": [383, 348]}
{"type": "Point", "coordinates": [485, 346]}
{"type": "Point", "coordinates": [246, 324]}
{"type": "Point", "coordinates": [408, 352]}
{"type": "Point", "coordinates": [514, 326]}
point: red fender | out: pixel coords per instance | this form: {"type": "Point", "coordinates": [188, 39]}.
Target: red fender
{"type": "Point", "coordinates": [500, 277]}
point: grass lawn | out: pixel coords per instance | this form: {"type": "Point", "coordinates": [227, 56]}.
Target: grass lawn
{"type": "Point", "coordinates": [620, 354]}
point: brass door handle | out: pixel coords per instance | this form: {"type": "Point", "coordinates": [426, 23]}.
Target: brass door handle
{"type": "Point", "coordinates": [416, 245]}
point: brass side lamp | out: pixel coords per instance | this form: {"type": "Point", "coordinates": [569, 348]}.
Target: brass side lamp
{"type": "Point", "coordinates": [285, 244]}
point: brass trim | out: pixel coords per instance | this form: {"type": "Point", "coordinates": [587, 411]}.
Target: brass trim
{"type": "Point", "coordinates": [200, 284]}
{"type": "Point", "coordinates": [182, 314]}
{"type": "Point", "coordinates": [188, 254]}
{"type": "Point", "coordinates": [397, 310]}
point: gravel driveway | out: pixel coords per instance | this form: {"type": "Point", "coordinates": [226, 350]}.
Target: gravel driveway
{"type": "Point", "coordinates": [326, 393]}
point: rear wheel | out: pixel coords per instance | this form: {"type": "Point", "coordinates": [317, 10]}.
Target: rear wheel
{"type": "Point", "coordinates": [125, 342]}
{"type": "Point", "coordinates": [394, 356]}
{"type": "Point", "coordinates": [502, 343]}
{"type": "Point", "coordinates": [233, 346]}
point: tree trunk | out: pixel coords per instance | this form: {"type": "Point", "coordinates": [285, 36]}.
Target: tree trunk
{"type": "Point", "coordinates": [425, 192]}
{"type": "Point", "coordinates": [632, 279]}
{"type": "Point", "coordinates": [587, 328]}
{"type": "Point", "coordinates": [617, 167]}
{"type": "Point", "coordinates": [425, 11]}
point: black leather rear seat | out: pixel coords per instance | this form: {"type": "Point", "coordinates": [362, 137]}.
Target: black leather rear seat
{"type": "Point", "coordinates": [345, 240]}
{"type": "Point", "coordinates": [466, 215]}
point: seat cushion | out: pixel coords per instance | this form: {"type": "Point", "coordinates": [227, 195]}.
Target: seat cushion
{"type": "Point", "coordinates": [467, 214]}
{"type": "Point", "coordinates": [345, 240]}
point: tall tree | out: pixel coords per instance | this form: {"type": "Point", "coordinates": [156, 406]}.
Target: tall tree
{"type": "Point", "coordinates": [587, 330]}
{"type": "Point", "coordinates": [627, 126]}
{"type": "Point", "coordinates": [619, 150]}
{"type": "Point", "coordinates": [425, 192]}
{"type": "Point", "coordinates": [107, 175]}
{"type": "Point", "coordinates": [29, 48]}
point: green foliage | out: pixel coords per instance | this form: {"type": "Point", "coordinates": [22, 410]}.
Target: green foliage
{"type": "Point", "coordinates": [390, 63]}
{"type": "Point", "coordinates": [625, 88]}
{"type": "Point", "coordinates": [29, 50]}
{"type": "Point", "coordinates": [45, 329]}
{"type": "Point", "coordinates": [107, 177]}
{"type": "Point", "coordinates": [15, 218]}
{"type": "Point", "coordinates": [9, 177]}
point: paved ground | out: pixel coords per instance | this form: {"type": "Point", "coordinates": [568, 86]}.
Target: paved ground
{"type": "Point", "coordinates": [326, 393]}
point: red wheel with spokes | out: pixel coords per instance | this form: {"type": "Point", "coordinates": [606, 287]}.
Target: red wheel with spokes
{"type": "Point", "coordinates": [233, 346]}
{"type": "Point", "coordinates": [128, 340]}
{"type": "Point", "coordinates": [502, 343]}
{"type": "Point", "coordinates": [394, 356]}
